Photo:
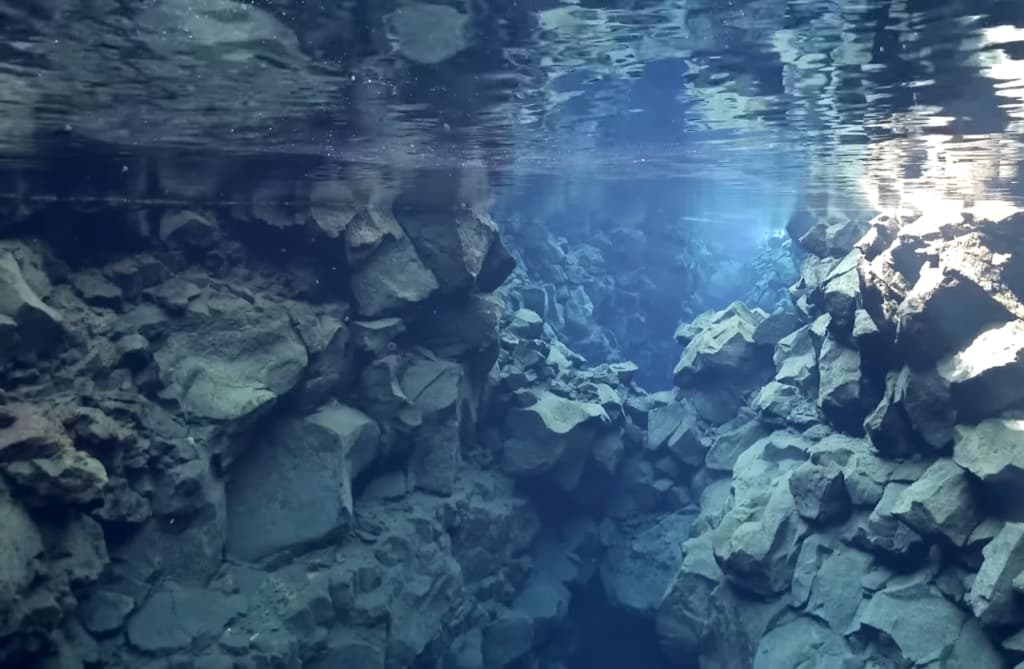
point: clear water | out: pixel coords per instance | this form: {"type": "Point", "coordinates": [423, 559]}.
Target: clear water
{"type": "Point", "coordinates": [890, 100]}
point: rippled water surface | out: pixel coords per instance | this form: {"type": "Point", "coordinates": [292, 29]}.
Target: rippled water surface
{"type": "Point", "coordinates": [894, 99]}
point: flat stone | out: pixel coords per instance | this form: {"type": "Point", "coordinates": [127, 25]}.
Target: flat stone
{"type": "Point", "coordinates": [172, 620]}
{"type": "Point", "coordinates": [526, 324]}
{"type": "Point", "coordinates": [96, 289]}
{"type": "Point", "coordinates": [392, 279]}
{"type": "Point", "coordinates": [104, 611]}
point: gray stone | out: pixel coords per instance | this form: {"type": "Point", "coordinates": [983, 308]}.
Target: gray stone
{"type": "Point", "coordinates": [173, 619]}
{"type": "Point", "coordinates": [376, 336]}
{"type": "Point", "coordinates": [781, 405]}
{"type": "Point", "coordinates": [888, 426]}
{"type": "Point", "coordinates": [993, 451]}
{"type": "Point", "coordinates": [884, 534]}
{"type": "Point", "coordinates": [526, 324]}
{"type": "Point", "coordinates": [992, 596]}
{"type": "Point", "coordinates": [833, 235]}
{"type": "Point", "coordinates": [104, 611]}
{"type": "Point", "coordinates": [638, 569]}
{"type": "Point", "coordinates": [841, 295]}
{"type": "Point", "coordinates": [351, 646]}
{"type": "Point", "coordinates": [933, 320]}
{"type": "Point", "coordinates": [96, 289]}
{"type": "Point", "coordinates": [940, 503]}
{"type": "Point", "coordinates": [674, 426]}
{"type": "Point", "coordinates": [38, 326]}
{"type": "Point", "coordinates": [227, 366]}
{"type": "Point", "coordinates": [923, 625]}
{"type": "Point", "coordinates": [294, 489]}
{"type": "Point", "coordinates": [684, 609]}
{"type": "Point", "coordinates": [986, 376]}
{"type": "Point", "coordinates": [724, 347]}
{"type": "Point", "coordinates": [796, 361]}
{"type": "Point", "coordinates": [440, 390]}
{"type": "Point", "coordinates": [188, 228]}
{"type": "Point", "coordinates": [728, 445]}
{"type": "Point", "coordinates": [841, 392]}
{"type": "Point", "coordinates": [819, 493]}
{"type": "Point", "coordinates": [801, 642]}
{"type": "Point", "coordinates": [776, 327]}
{"type": "Point", "coordinates": [549, 432]}
{"type": "Point", "coordinates": [392, 279]}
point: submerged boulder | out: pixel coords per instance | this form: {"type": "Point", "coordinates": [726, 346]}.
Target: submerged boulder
{"type": "Point", "coordinates": [294, 489]}
{"type": "Point", "coordinates": [993, 451]}
{"type": "Point", "coordinates": [723, 347]}
{"type": "Point", "coordinates": [29, 325]}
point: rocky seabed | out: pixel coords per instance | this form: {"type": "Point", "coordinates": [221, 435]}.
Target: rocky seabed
{"type": "Point", "coordinates": [372, 453]}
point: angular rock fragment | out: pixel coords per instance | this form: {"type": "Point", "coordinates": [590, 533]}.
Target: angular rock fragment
{"type": "Point", "coordinates": [993, 451]}
{"type": "Point", "coordinates": [940, 503]}
{"type": "Point", "coordinates": [526, 324]}
{"type": "Point", "coordinates": [640, 566]}
{"type": "Point", "coordinates": [392, 279]}
{"type": "Point", "coordinates": [725, 347]}
{"type": "Point", "coordinates": [674, 426]}
{"type": "Point", "coordinates": [96, 289]}
{"type": "Point", "coordinates": [37, 326]}
{"type": "Point", "coordinates": [819, 493]}
{"type": "Point", "coordinates": [550, 432]}
{"type": "Point", "coordinates": [833, 235]}
{"type": "Point", "coordinates": [992, 596]}
{"type": "Point", "coordinates": [173, 619]}
{"type": "Point", "coordinates": [843, 394]}
{"type": "Point", "coordinates": [225, 367]}
{"type": "Point", "coordinates": [841, 295]}
{"type": "Point", "coordinates": [986, 377]}
{"type": "Point", "coordinates": [295, 488]}
{"type": "Point", "coordinates": [885, 535]}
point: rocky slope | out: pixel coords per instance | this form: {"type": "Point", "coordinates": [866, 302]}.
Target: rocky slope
{"type": "Point", "coordinates": [321, 436]}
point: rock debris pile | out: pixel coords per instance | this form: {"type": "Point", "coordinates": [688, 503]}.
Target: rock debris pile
{"type": "Point", "coordinates": [365, 451]}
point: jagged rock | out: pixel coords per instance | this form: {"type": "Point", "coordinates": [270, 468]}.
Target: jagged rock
{"type": "Point", "coordinates": [227, 366]}
{"type": "Point", "coordinates": [780, 404]}
{"type": "Point", "coordinates": [103, 612]}
{"type": "Point", "coordinates": [796, 361]}
{"type": "Point", "coordinates": [639, 567]}
{"type": "Point", "coordinates": [775, 327]}
{"type": "Point", "coordinates": [841, 295]}
{"type": "Point", "coordinates": [757, 542]}
{"type": "Point", "coordinates": [882, 533]}
{"type": "Point", "coordinates": [684, 608]}
{"type": "Point", "coordinates": [439, 389]}
{"type": "Point", "coordinates": [173, 619]}
{"type": "Point", "coordinates": [37, 326]}
{"type": "Point", "coordinates": [888, 426]}
{"type": "Point", "coordinates": [986, 377]}
{"type": "Point", "coordinates": [353, 647]}
{"type": "Point", "coordinates": [933, 320]}
{"type": "Point", "coordinates": [924, 626]}
{"type": "Point", "coordinates": [724, 347]}
{"type": "Point", "coordinates": [819, 493]}
{"type": "Point", "coordinates": [833, 235]}
{"type": "Point", "coordinates": [881, 233]}
{"type": "Point", "coordinates": [453, 245]}
{"type": "Point", "coordinates": [552, 431]}
{"type": "Point", "coordinates": [865, 472]}
{"type": "Point", "coordinates": [294, 489]}
{"type": "Point", "coordinates": [674, 426]}
{"type": "Point", "coordinates": [96, 289]}
{"type": "Point", "coordinates": [735, 627]}
{"type": "Point", "coordinates": [42, 465]}
{"type": "Point", "coordinates": [992, 596]}
{"type": "Point", "coordinates": [993, 451]}
{"type": "Point", "coordinates": [825, 568]}
{"type": "Point", "coordinates": [842, 393]}
{"type": "Point", "coordinates": [940, 503]}
{"type": "Point", "coordinates": [376, 336]}
{"type": "Point", "coordinates": [136, 273]}
{"type": "Point", "coordinates": [188, 228]}
{"type": "Point", "coordinates": [394, 278]}
{"type": "Point", "coordinates": [729, 444]}
{"type": "Point", "coordinates": [527, 324]}
{"type": "Point", "coordinates": [801, 641]}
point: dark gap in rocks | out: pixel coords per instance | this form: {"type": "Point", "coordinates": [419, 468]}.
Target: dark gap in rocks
{"type": "Point", "coordinates": [610, 638]}
{"type": "Point", "coordinates": [83, 238]}
{"type": "Point", "coordinates": [298, 247]}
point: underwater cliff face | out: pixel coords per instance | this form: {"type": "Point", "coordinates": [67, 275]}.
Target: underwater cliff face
{"type": "Point", "coordinates": [532, 335]}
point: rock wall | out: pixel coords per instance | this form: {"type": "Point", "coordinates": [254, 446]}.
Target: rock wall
{"type": "Point", "coordinates": [308, 433]}
{"type": "Point", "coordinates": [859, 510]}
